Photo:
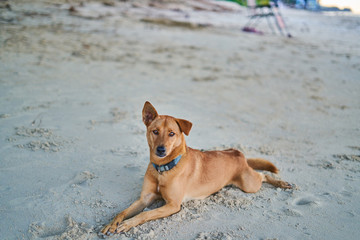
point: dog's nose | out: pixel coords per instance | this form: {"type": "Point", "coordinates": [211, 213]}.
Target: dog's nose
{"type": "Point", "coordinates": [160, 151]}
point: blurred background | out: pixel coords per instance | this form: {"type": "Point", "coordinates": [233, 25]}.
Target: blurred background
{"type": "Point", "coordinates": [274, 79]}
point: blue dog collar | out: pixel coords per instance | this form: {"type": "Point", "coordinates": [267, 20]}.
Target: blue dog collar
{"type": "Point", "coordinates": [168, 166]}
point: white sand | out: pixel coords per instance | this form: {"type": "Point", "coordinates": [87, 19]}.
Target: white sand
{"type": "Point", "coordinates": [72, 144]}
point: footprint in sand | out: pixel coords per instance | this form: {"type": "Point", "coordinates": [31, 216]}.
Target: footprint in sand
{"type": "Point", "coordinates": [292, 212]}
{"type": "Point", "coordinates": [307, 201]}
{"type": "Point", "coordinates": [69, 230]}
{"type": "Point", "coordinates": [205, 79]}
{"type": "Point", "coordinates": [82, 177]}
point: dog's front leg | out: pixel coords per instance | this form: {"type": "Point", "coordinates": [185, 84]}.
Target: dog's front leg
{"type": "Point", "coordinates": [173, 194]}
{"type": "Point", "coordinates": [164, 211]}
{"type": "Point", "coordinates": [148, 195]}
{"type": "Point", "coordinates": [134, 209]}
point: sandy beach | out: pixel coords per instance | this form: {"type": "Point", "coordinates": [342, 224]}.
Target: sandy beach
{"type": "Point", "coordinates": [73, 81]}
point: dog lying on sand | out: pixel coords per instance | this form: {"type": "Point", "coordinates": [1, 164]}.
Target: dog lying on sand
{"type": "Point", "coordinates": [177, 173]}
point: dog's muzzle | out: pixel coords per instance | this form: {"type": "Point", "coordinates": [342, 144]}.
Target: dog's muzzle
{"type": "Point", "coordinates": [161, 151]}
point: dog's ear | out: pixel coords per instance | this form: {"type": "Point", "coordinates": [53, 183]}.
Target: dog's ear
{"type": "Point", "coordinates": [148, 113]}
{"type": "Point", "coordinates": [185, 125]}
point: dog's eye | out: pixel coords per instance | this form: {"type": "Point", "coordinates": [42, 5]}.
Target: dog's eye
{"type": "Point", "coordinates": [156, 132]}
{"type": "Point", "coordinates": [171, 134]}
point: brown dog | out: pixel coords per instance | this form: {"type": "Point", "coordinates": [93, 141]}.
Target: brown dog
{"type": "Point", "coordinates": [177, 172]}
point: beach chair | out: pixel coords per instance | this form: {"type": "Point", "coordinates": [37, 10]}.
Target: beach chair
{"type": "Point", "coordinates": [260, 9]}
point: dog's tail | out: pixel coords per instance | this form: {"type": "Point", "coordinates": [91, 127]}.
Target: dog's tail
{"type": "Point", "coordinates": [262, 164]}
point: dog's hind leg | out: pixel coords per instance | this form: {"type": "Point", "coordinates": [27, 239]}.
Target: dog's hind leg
{"type": "Point", "coordinates": [275, 182]}
{"type": "Point", "coordinates": [248, 180]}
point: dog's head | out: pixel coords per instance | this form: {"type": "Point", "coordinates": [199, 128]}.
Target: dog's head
{"type": "Point", "coordinates": [164, 133]}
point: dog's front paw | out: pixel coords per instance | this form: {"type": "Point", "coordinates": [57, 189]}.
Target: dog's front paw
{"type": "Point", "coordinates": [112, 227]}
{"type": "Point", "coordinates": [126, 226]}
{"type": "Point", "coordinates": [287, 185]}
{"type": "Point", "coordinates": [109, 229]}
